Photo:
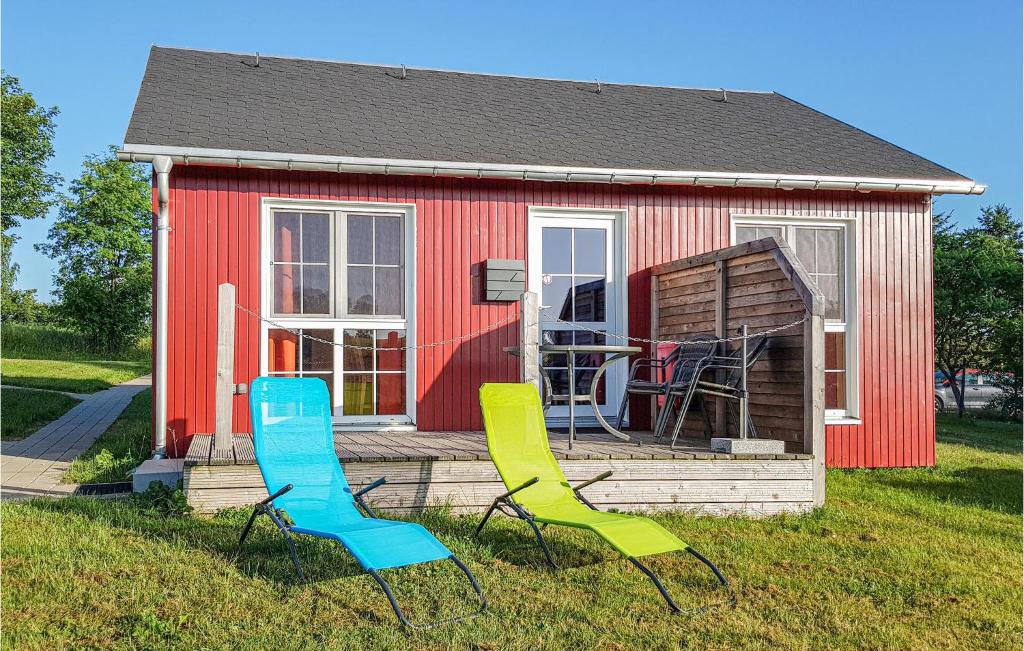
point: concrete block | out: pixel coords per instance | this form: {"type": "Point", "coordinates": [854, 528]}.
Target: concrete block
{"type": "Point", "coordinates": [168, 471]}
{"type": "Point", "coordinates": [748, 446]}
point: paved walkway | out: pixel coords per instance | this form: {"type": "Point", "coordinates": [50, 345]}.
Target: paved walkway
{"type": "Point", "coordinates": [34, 466]}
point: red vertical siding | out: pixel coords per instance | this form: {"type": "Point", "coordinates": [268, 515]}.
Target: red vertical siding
{"type": "Point", "coordinates": [215, 237]}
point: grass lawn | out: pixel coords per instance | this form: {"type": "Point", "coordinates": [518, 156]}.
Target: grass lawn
{"type": "Point", "coordinates": [898, 559]}
{"type": "Point", "coordinates": [122, 447]}
{"type": "Point", "coordinates": [25, 411]}
{"type": "Point", "coordinates": [83, 376]}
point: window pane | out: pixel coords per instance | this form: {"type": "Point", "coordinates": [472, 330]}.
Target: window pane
{"type": "Point", "coordinates": [286, 237]}
{"type": "Point", "coordinates": [835, 390]}
{"type": "Point", "coordinates": [590, 296]}
{"type": "Point", "coordinates": [590, 253]}
{"type": "Point", "coordinates": [391, 393]}
{"type": "Point", "coordinates": [316, 237]}
{"type": "Point", "coordinates": [769, 231]}
{"type": "Point", "coordinates": [388, 240]}
{"type": "Point", "coordinates": [745, 234]}
{"type": "Point", "coordinates": [835, 351]}
{"type": "Point", "coordinates": [360, 239]}
{"type": "Point", "coordinates": [360, 290]}
{"type": "Point", "coordinates": [358, 359]}
{"type": "Point", "coordinates": [287, 298]}
{"type": "Point", "coordinates": [556, 247]}
{"type": "Point", "coordinates": [390, 360]}
{"type": "Point", "coordinates": [283, 351]}
{"type": "Point", "coordinates": [804, 247]}
{"type": "Point", "coordinates": [388, 290]}
{"type": "Point", "coordinates": [557, 295]}
{"type": "Point", "coordinates": [316, 355]}
{"type": "Point", "coordinates": [328, 379]}
{"type": "Point", "coordinates": [830, 288]}
{"type": "Point", "coordinates": [357, 394]}
{"type": "Point", "coordinates": [559, 386]}
{"type": "Point", "coordinates": [316, 287]}
{"type": "Point", "coordinates": [555, 338]}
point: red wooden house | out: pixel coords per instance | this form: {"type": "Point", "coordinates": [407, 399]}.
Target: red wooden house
{"type": "Point", "coordinates": [359, 204]}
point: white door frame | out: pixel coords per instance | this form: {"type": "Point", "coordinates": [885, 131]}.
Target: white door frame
{"type": "Point", "coordinates": [616, 297]}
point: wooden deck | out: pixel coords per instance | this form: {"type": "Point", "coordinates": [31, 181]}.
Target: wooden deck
{"type": "Point", "coordinates": [453, 469]}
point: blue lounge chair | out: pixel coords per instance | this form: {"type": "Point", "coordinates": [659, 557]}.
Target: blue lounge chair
{"type": "Point", "coordinates": [291, 425]}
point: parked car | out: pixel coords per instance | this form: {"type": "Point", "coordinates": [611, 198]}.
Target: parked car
{"type": "Point", "coordinates": [979, 390]}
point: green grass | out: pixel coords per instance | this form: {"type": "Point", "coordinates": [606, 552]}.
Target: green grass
{"type": "Point", "coordinates": [25, 411]}
{"type": "Point", "coordinates": [73, 376]}
{"type": "Point", "coordinates": [898, 559]}
{"type": "Point", "coordinates": [31, 341]}
{"type": "Point", "coordinates": [122, 447]}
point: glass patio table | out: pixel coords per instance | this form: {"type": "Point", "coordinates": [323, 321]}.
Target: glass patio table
{"type": "Point", "coordinates": [611, 353]}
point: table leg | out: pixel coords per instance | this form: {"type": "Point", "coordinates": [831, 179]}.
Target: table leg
{"type": "Point", "coordinates": [593, 397]}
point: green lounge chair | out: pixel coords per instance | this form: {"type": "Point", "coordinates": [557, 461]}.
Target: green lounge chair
{"type": "Point", "coordinates": [538, 492]}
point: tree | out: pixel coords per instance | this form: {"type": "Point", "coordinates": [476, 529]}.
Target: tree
{"type": "Point", "coordinates": [977, 297]}
{"type": "Point", "coordinates": [101, 242]}
{"type": "Point", "coordinates": [26, 189]}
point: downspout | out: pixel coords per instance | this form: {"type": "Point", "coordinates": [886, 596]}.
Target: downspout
{"type": "Point", "coordinates": [162, 166]}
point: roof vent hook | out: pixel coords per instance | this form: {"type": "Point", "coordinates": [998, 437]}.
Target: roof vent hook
{"type": "Point", "coordinates": [725, 95]}
{"type": "Point", "coordinates": [598, 82]}
{"type": "Point", "coordinates": [403, 72]}
{"type": "Point", "coordinates": [257, 60]}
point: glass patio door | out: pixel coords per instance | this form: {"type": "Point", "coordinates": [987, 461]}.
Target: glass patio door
{"type": "Point", "coordinates": [577, 274]}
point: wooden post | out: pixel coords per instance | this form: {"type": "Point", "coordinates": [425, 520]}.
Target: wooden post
{"type": "Point", "coordinates": [225, 387]}
{"type": "Point", "coordinates": [529, 339]}
{"type": "Point", "coordinates": [721, 330]}
{"type": "Point", "coordinates": [814, 399]}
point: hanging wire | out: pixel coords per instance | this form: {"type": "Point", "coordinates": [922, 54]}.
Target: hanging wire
{"type": "Point", "coordinates": [444, 342]}
{"type": "Point", "coordinates": [509, 319]}
{"type": "Point", "coordinates": [605, 333]}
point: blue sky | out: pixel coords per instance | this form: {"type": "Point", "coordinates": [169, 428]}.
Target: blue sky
{"type": "Point", "coordinates": [942, 79]}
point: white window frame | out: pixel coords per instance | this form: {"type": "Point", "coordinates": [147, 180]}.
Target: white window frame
{"type": "Point", "coordinates": [850, 415]}
{"type": "Point", "coordinates": [340, 321]}
{"type": "Point", "coordinates": [617, 319]}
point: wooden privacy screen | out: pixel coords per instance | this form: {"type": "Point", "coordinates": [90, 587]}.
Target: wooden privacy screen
{"type": "Point", "coordinates": [762, 285]}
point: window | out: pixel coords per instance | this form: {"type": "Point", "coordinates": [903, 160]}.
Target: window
{"type": "Point", "coordinates": [339, 273]}
{"type": "Point", "coordinates": [823, 250]}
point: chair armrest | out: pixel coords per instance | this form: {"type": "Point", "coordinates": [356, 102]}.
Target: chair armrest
{"type": "Point", "coordinates": [276, 495]}
{"type": "Point", "coordinates": [366, 489]}
{"type": "Point", "coordinates": [525, 484]}
{"type": "Point", "coordinates": [602, 476]}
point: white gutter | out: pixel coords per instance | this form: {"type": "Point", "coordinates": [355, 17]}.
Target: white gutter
{"type": "Point", "coordinates": [162, 166]}
{"type": "Point", "coordinates": [351, 164]}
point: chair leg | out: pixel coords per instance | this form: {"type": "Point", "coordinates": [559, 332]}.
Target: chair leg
{"type": "Point", "coordinates": [662, 421]}
{"type": "Point", "coordinates": [540, 539]}
{"type": "Point", "coordinates": [622, 410]}
{"type": "Point", "coordinates": [248, 526]}
{"type": "Point", "coordinates": [730, 601]}
{"type": "Point", "coordinates": [709, 429]}
{"type": "Point", "coordinates": [386, 587]}
{"type": "Point", "coordinates": [291, 544]}
{"type": "Point", "coordinates": [691, 390]}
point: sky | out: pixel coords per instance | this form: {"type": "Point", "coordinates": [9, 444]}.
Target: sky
{"type": "Point", "coordinates": [940, 78]}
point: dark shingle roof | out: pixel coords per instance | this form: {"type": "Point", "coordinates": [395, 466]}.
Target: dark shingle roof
{"type": "Point", "coordinates": [212, 100]}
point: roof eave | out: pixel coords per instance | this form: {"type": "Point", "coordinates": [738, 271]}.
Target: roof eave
{"type": "Point", "coordinates": [350, 164]}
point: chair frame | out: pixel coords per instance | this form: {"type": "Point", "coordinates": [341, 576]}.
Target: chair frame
{"type": "Point", "coordinates": [266, 507]}
{"type": "Point", "coordinates": [505, 500]}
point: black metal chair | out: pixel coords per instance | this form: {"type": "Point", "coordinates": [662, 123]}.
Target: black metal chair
{"type": "Point", "coordinates": [653, 376]}
{"type": "Point", "coordinates": [694, 388]}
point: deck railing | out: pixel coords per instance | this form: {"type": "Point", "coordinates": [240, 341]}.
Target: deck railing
{"type": "Point", "coordinates": [760, 284]}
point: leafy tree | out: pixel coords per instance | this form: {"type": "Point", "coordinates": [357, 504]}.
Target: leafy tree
{"type": "Point", "coordinates": [26, 189]}
{"type": "Point", "coordinates": [977, 297]}
{"type": "Point", "coordinates": [101, 241]}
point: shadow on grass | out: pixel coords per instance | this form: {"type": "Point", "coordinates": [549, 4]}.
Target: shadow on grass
{"type": "Point", "coordinates": [264, 554]}
{"type": "Point", "coordinates": [995, 489]}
